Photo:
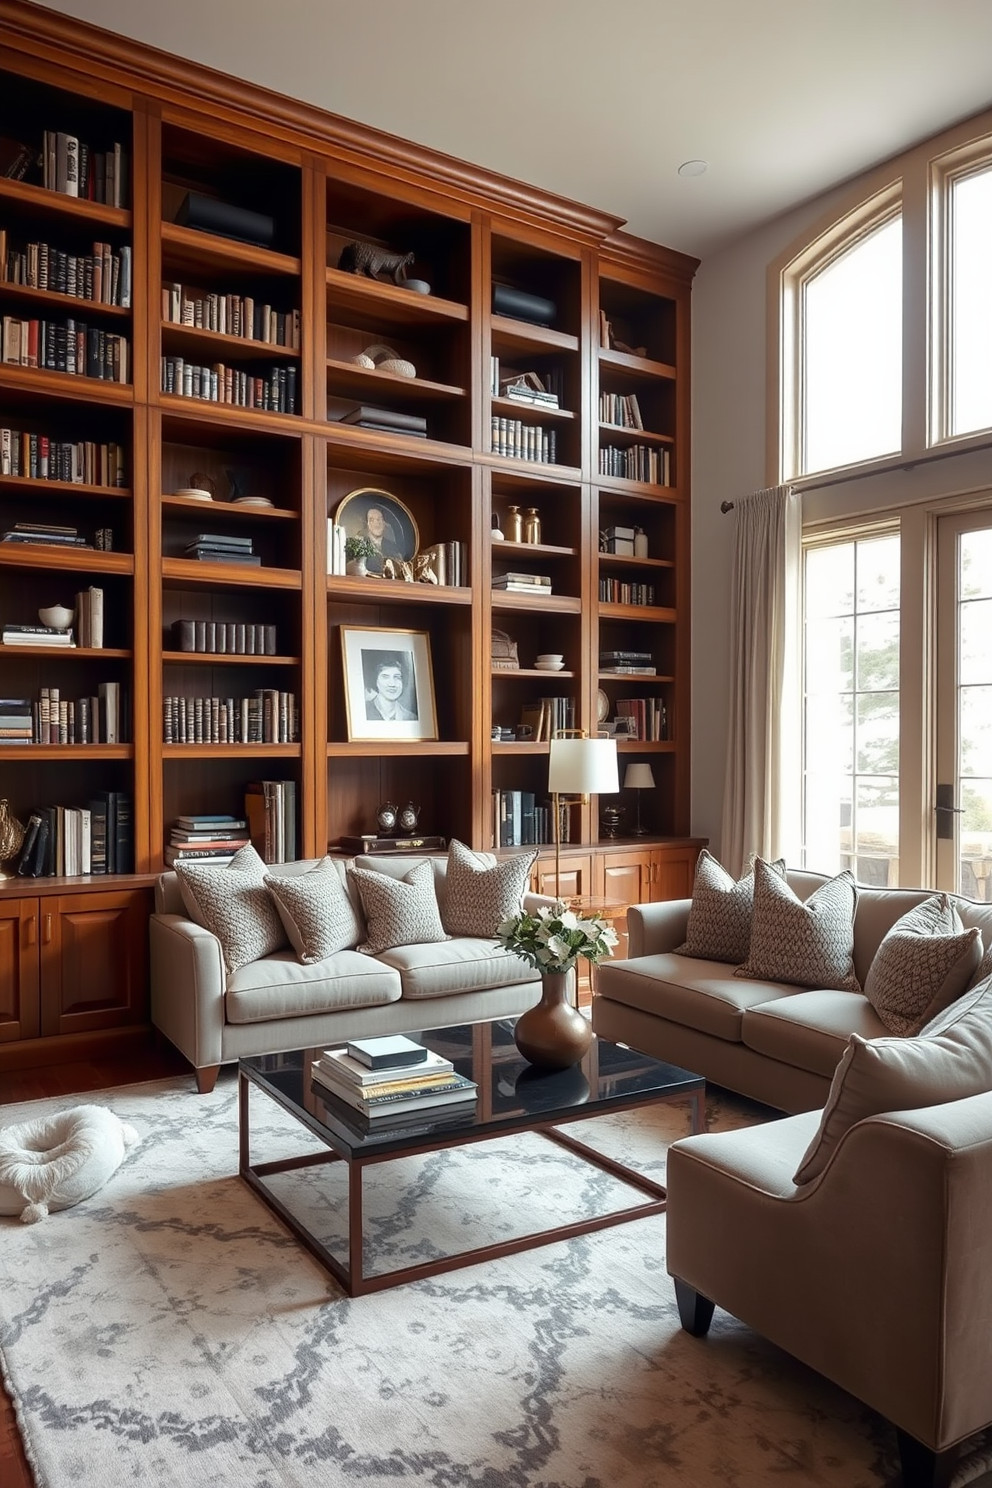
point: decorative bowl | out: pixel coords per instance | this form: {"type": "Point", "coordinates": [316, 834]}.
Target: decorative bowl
{"type": "Point", "coordinates": [419, 286]}
{"type": "Point", "coordinates": [552, 656]}
{"type": "Point", "coordinates": [56, 617]}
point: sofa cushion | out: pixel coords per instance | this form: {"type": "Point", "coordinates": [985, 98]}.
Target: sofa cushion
{"type": "Point", "coordinates": [925, 961]}
{"type": "Point", "coordinates": [465, 964]}
{"type": "Point", "coordinates": [949, 1060]}
{"type": "Point", "coordinates": [399, 911]}
{"type": "Point", "coordinates": [316, 910]}
{"type": "Point", "coordinates": [810, 1030]}
{"type": "Point", "coordinates": [233, 903]}
{"type": "Point", "coordinates": [719, 927]}
{"type": "Point", "coordinates": [698, 994]}
{"type": "Point", "coordinates": [808, 943]}
{"type": "Point", "coordinates": [482, 891]}
{"type": "Point", "coordinates": [280, 987]}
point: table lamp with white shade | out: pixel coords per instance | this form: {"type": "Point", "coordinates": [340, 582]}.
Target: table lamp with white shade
{"type": "Point", "coordinates": [579, 766]}
{"type": "Point", "coordinates": [638, 777]}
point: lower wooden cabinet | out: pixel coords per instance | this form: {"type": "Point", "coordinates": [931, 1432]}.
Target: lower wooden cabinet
{"type": "Point", "coordinates": [72, 964]}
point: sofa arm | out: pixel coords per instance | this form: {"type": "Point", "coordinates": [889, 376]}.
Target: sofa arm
{"type": "Point", "coordinates": [653, 929]}
{"type": "Point", "coordinates": [188, 982]}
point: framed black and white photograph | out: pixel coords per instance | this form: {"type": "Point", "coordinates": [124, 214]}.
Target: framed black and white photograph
{"type": "Point", "coordinates": [384, 520]}
{"type": "Point", "coordinates": [388, 683]}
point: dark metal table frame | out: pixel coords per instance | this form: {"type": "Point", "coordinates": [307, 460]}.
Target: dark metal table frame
{"type": "Point", "coordinates": [352, 1276]}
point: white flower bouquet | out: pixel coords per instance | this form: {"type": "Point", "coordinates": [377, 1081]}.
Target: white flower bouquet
{"type": "Point", "coordinates": [555, 938]}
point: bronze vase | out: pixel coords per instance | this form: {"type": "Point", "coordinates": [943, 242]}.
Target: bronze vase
{"type": "Point", "coordinates": [553, 1034]}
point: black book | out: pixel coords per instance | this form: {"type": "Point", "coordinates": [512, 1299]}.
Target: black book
{"type": "Point", "coordinates": [388, 418]}
{"type": "Point", "coordinates": [220, 540]}
{"type": "Point", "coordinates": [27, 846]}
{"type": "Point", "coordinates": [98, 836]}
{"type": "Point", "coordinates": [123, 833]}
{"type": "Point", "coordinates": [390, 1052]}
{"type": "Point", "coordinates": [44, 845]}
{"type": "Point", "coordinates": [107, 800]}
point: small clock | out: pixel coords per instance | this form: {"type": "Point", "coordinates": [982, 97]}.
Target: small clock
{"type": "Point", "coordinates": [408, 817]}
{"type": "Point", "coordinates": [386, 817]}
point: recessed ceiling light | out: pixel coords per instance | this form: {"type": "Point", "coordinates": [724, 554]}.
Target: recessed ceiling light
{"type": "Point", "coordinates": [693, 168]}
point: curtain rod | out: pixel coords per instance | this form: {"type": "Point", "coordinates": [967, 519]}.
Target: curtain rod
{"type": "Point", "coordinates": [902, 465]}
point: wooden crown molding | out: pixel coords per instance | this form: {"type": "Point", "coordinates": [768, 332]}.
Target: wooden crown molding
{"type": "Point", "coordinates": [625, 251]}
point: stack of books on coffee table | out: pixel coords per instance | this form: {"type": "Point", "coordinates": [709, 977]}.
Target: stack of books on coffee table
{"type": "Point", "coordinates": [383, 1078]}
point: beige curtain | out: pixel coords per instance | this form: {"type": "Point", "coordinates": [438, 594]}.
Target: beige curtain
{"type": "Point", "coordinates": [761, 803]}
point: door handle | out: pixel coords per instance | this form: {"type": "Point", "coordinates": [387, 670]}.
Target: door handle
{"type": "Point", "coordinates": [945, 810]}
{"type": "Point", "coordinates": [31, 930]}
{"type": "Point", "coordinates": [46, 937]}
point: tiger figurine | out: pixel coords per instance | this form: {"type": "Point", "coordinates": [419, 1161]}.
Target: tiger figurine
{"type": "Point", "coordinates": [375, 263]}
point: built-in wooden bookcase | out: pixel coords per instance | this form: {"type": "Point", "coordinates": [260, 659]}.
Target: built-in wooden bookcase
{"type": "Point", "coordinates": [284, 309]}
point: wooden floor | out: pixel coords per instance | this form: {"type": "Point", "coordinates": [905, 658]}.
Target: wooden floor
{"type": "Point", "coordinates": [70, 1079]}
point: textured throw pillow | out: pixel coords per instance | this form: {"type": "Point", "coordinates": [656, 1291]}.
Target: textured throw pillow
{"type": "Point", "coordinates": [315, 910]}
{"type": "Point", "coordinates": [399, 911]}
{"type": "Point", "coordinates": [951, 1059]}
{"type": "Point", "coordinates": [810, 944]}
{"type": "Point", "coordinates": [719, 927]}
{"type": "Point", "coordinates": [480, 894]}
{"type": "Point", "coordinates": [924, 962]}
{"type": "Point", "coordinates": [233, 903]}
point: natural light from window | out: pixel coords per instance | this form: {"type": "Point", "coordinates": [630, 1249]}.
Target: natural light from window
{"type": "Point", "coordinates": [851, 707]}
{"type": "Point", "coordinates": [852, 354]}
{"type": "Point", "coordinates": [971, 303]}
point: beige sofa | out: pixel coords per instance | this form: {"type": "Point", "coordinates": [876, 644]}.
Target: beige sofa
{"type": "Point", "coordinates": [278, 1003]}
{"type": "Point", "coordinates": [776, 1043]}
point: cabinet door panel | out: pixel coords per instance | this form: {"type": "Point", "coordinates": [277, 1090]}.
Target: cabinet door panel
{"type": "Point", "coordinates": [673, 873]}
{"type": "Point", "coordinates": [576, 876]}
{"type": "Point", "coordinates": [93, 961]}
{"type": "Point", "coordinates": [18, 970]}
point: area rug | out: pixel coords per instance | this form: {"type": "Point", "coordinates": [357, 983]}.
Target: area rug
{"type": "Point", "coordinates": [170, 1330]}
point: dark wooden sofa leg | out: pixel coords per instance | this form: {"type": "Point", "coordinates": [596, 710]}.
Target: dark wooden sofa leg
{"type": "Point", "coordinates": [695, 1310]}
{"type": "Point", "coordinates": [923, 1468]}
{"type": "Point", "coordinates": [206, 1078]}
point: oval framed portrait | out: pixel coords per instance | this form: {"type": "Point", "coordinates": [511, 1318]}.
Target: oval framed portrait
{"type": "Point", "coordinates": [376, 514]}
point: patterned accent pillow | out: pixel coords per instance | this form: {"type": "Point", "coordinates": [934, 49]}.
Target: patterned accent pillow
{"type": "Point", "coordinates": [399, 911]}
{"type": "Point", "coordinates": [316, 912]}
{"type": "Point", "coordinates": [924, 963]}
{"type": "Point", "coordinates": [480, 893]}
{"type": "Point", "coordinates": [811, 944]}
{"type": "Point", "coordinates": [719, 927]}
{"type": "Point", "coordinates": [233, 903]}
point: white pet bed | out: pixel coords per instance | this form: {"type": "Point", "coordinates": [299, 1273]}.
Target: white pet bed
{"type": "Point", "coordinates": [55, 1161]}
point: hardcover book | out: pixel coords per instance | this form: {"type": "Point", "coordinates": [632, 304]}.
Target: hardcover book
{"type": "Point", "coordinates": [394, 1051]}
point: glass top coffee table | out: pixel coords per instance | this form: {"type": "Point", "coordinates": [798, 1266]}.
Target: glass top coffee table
{"type": "Point", "coordinates": [512, 1097]}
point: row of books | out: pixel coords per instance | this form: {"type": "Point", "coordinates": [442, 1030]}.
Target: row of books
{"type": "Point", "coordinates": [267, 717]}
{"type": "Point", "coordinates": [52, 719]}
{"type": "Point", "coordinates": [373, 1079]}
{"type": "Point", "coordinates": [217, 547]}
{"type": "Point", "coordinates": [518, 819]}
{"type": "Point", "coordinates": [652, 467]}
{"type": "Point", "coordinates": [650, 717]}
{"type": "Point", "coordinates": [621, 409]}
{"type": "Point", "coordinates": [230, 315]}
{"type": "Point", "coordinates": [69, 346]}
{"type": "Point", "coordinates": [211, 838]}
{"type": "Point", "coordinates": [620, 591]}
{"type": "Point", "coordinates": [275, 392]}
{"type": "Point", "coordinates": [547, 715]}
{"type": "Point", "coordinates": [225, 637]}
{"type": "Point", "coordinates": [524, 441]}
{"type": "Point", "coordinates": [270, 810]}
{"type": "Point", "coordinates": [102, 277]}
{"type": "Point", "coordinates": [69, 165]}
{"type": "Point", "coordinates": [81, 461]}
{"type": "Point", "coordinates": [95, 838]}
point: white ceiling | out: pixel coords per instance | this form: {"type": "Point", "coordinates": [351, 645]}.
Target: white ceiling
{"type": "Point", "coordinates": [602, 100]}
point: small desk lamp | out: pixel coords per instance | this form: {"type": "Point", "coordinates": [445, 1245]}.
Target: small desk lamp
{"type": "Point", "coordinates": [638, 778]}
{"type": "Point", "coordinates": [579, 766]}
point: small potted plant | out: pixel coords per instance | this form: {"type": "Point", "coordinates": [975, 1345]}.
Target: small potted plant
{"type": "Point", "coordinates": [553, 1033]}
{"type": "Point", "coordinates": [356, 550]}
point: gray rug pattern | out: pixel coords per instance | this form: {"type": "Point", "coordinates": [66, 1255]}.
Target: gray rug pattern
{"type": "Point", "coordinates": [169, 1329]}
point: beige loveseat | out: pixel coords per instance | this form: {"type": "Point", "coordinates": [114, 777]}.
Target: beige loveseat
{"type": "Point", "coordinates": [278, 1003]}
{"type": "Point", "coordinates": [774, 1042]}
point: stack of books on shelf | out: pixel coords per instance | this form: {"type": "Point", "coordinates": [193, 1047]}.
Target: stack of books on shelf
{"type": "Point", "coordinates": [36, 635]}
{"type": "Point", "coordinates": [547, 716]}
{"type": "Point", "coordinates": [267, 717]}
{"type": "Point", "coordinates": [95, 838]}
{"type": "Point", "coordinates": [387, 421]}
{"type": "Point", "coordinates": [230, 315]}
{"type": "Point", "coordinates": [65, 346]}
{"type": "Point", "coordinates": [69, 165]}
{"type": "Point", "coordinates": [649, 717]}
{"type": "Point", "coordinates": [225, 637]}
{"type": "Point", "coordinates": [270, 809]}
{"type": "Point", "coordinates": [621, 409]}
{"type": "Point", "coordinates": [524, 441]}
{"type": "Point", "coordinates": [636, 463]}
{"type": "Point", "coordinates": [381, 1079]}
{"type": "Point", "coordinates": [16, 721]}
{"type": "Point", "coordinates": [522, 583]}
{"type": "Point", "coordinates": [215, 547]}
{"type": "Point", "coordinates": [207, 838]}
{"type": "Point", "coordinates": [273, 392]}
{"type": "Point", "coordinates": [628, 663]}
{"type": "Point", "coordinates": [45, 532]}
{"type": "Point", "coordinates": [103, 276]}
{"type": "Point", "coordinates": [40, 457]}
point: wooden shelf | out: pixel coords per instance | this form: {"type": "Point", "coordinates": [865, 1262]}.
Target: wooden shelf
{"type": "Point", "coordinates": [54, 555]}
{"type": "Point", "coordinates": [230, 575]}
{"type": "Point", "coordinates": [383, 306]}
{"type": "Point", "coordinates": [561, 604]}
{"type": "Point", "coordinates": [231, 751]}
{"type": "Point", "coordinates": [536, 550]}
{"type": "Point", "coordinates": [231, 414]}
{"type": "Point", "coordinates": [37, 199]}
{"type": "Point", "coordinates": [346, 380]}
{"type": "Point", "coordinates": [58, 301]}
{"type": "Point", "coordinates": [33, 486]}
{"type": "Point", "coordinates": [65, 385]}
{"type": "Point", "coordinates": [610, 432]}
{"type": "Point", "coordinates": [620, 365]}
{"type": "Point", "coordinates": [636, 489]}
{"type": "Point", "coordinates": [227, 509]}
{"type": "Point", "coordinates": [67, 751]}
{"type": "Point", "coordinates": [655, 613]}
{"type": "Point", "coordinates": [624, 560]}
{"type": "Point", "coordinates": [529, 413]}
{"type": "Point", "coordinates": [395, 591]}
{"type": "Point", "coordinates": [7, 652]}
{"type": "Point", "coordinates": [225, 658]}
{"type": "Point", "coordinates": [188, 249]}
{"type": "Point", "coordinates": [530, 672]}
{"type": "Point", "coordinates": [394, 748]}
{"type": "Point", "coordinates": [518, 336]}
{"type": "Point", "coordinates": [652, 680]}
{"type": "Point", "coordinates": [534, 468]}
{"type": "Point", "coordinates": [217, 345]}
